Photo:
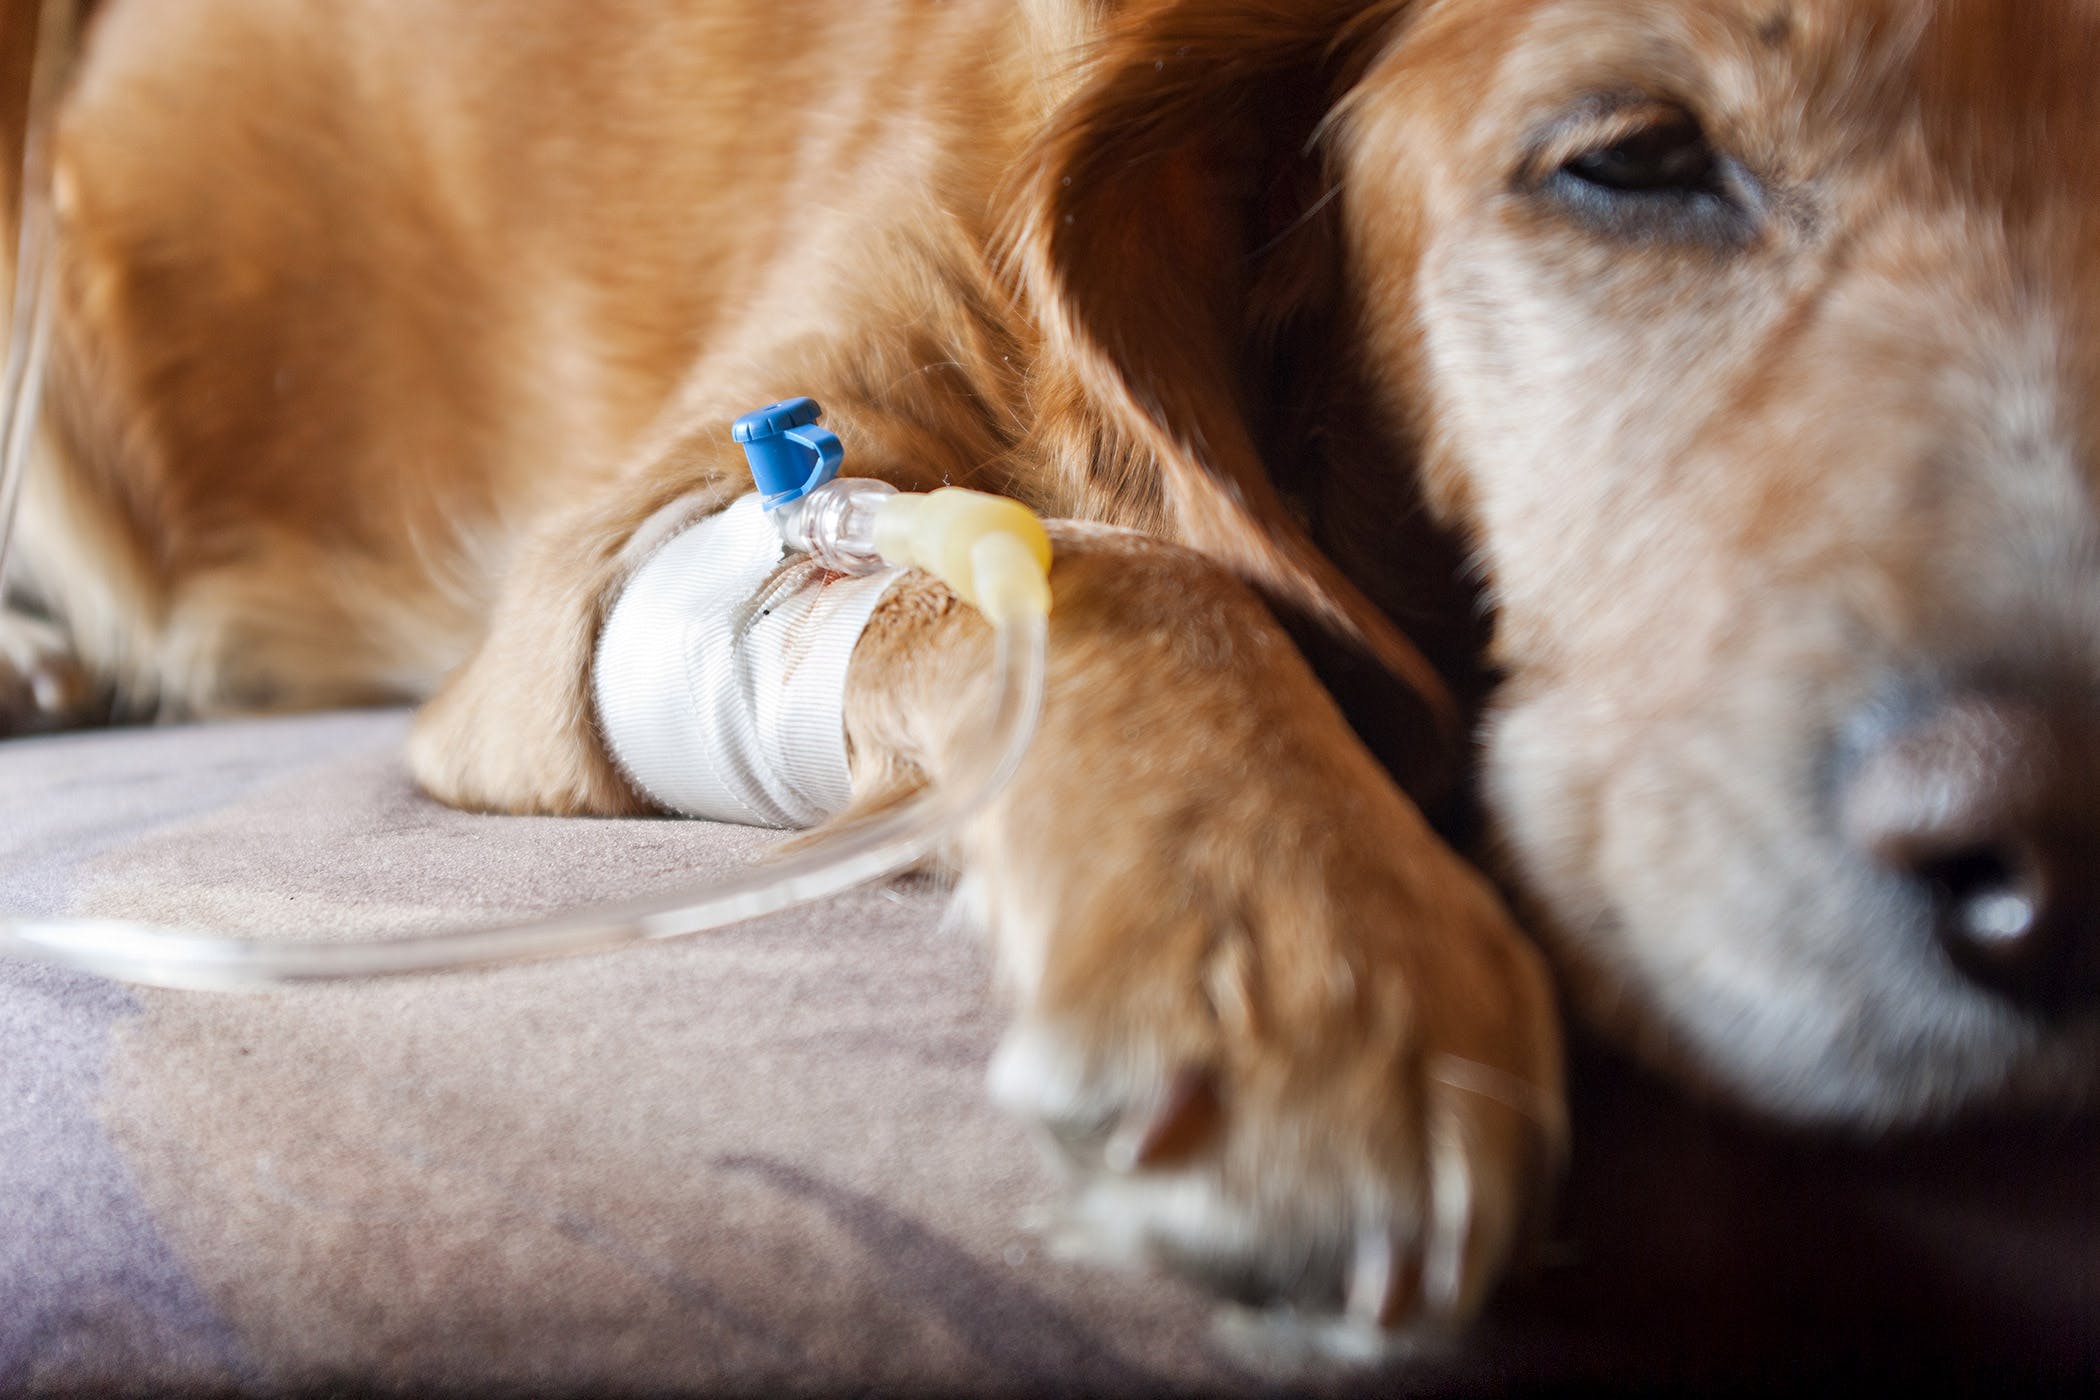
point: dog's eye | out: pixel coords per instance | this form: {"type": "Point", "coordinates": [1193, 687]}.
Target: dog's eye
{"type": "Point", "coordinates": [1670, 158]}
{"type": "Point", "coordinates": [1653, 174]}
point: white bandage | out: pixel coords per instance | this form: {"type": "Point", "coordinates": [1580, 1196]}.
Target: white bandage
{"type": "Point", "coordinates": [720, 678]}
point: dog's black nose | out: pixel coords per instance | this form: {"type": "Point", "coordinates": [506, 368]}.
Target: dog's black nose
{"type": "Point", "coordinates": [1988, 803]}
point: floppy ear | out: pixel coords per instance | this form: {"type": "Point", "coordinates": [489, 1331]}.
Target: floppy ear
{"type": "Point", "coordinates": [1179, 236]}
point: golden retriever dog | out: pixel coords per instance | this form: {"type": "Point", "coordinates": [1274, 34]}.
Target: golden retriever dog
{"type": "Point", "coordinates": [1689, 402]}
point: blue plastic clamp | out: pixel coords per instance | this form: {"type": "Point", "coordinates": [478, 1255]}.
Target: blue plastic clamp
{"type": "Point", "coordinates": [790, 455]}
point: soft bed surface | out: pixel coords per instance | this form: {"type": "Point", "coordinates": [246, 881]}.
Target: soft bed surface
{"type": "Point", "coordinates": [762, 1161]}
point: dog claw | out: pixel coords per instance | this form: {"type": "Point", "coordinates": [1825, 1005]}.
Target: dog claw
{"type": "Point", "coordinates": [42, 684]}
{"type": "Point", "coordinates": [1444, 1272]}
{"type": "Point", "coordinates": [1184, 1119]}
{"type": "Point", "coordinates": [1384, 1280]}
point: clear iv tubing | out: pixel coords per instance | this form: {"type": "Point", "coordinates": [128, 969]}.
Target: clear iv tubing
{"type": "Point", "coordinates": [29, 324]}
{"type": "Point", "coordinates": [854, 855]}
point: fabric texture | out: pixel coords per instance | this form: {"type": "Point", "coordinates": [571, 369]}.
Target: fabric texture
{"type": "Point", "coordinates": [720, 677]}
{"type": "Point", "coordinates": [761, 1161]}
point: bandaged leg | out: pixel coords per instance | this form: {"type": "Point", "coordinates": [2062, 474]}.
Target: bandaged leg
{"type": "Point", "coordinates": [720, 675]}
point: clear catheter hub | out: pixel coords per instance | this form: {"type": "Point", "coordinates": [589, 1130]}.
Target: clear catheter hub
{"type": "Point", "coordinates": [991, 550]}
{"type": "Point", "coordinates": [795, 463]}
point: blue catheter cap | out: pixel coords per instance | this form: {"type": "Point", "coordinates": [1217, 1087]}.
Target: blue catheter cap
{"type": "Point", "coordinates": [790, 455]}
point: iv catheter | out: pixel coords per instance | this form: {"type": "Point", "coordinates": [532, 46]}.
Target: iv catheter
{"type": "Point", "coordinates": [991, 551]}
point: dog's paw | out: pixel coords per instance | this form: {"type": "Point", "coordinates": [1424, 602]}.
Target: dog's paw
{"type": "Point", "coordinates": [1308, 1060]}
{"type": "Point", "coordinates": [43, 686]}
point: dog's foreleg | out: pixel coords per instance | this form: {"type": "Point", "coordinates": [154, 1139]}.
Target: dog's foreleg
{"type": "Point", "coordinates": [1283, 1036]}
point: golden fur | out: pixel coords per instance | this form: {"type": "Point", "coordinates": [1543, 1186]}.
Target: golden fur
{"type": "Point", "coordinates": [386, 324]}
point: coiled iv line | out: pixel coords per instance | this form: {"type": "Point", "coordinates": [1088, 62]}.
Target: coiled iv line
{"type": "Point", "coordinates": [991, 551]}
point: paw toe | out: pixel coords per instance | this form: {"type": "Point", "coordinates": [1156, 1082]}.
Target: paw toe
{"type": "Point", "coordinates": [43, 686]}
{"type": "Point", "coordinates": [1292, 1206]}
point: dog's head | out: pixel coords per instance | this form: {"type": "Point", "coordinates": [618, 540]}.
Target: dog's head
{"type": "Point", "coordinates": [1751, 347]}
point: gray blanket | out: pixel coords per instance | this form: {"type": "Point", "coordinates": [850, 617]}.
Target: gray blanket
{"type": "Point", "coordinates": [762, 1161]}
